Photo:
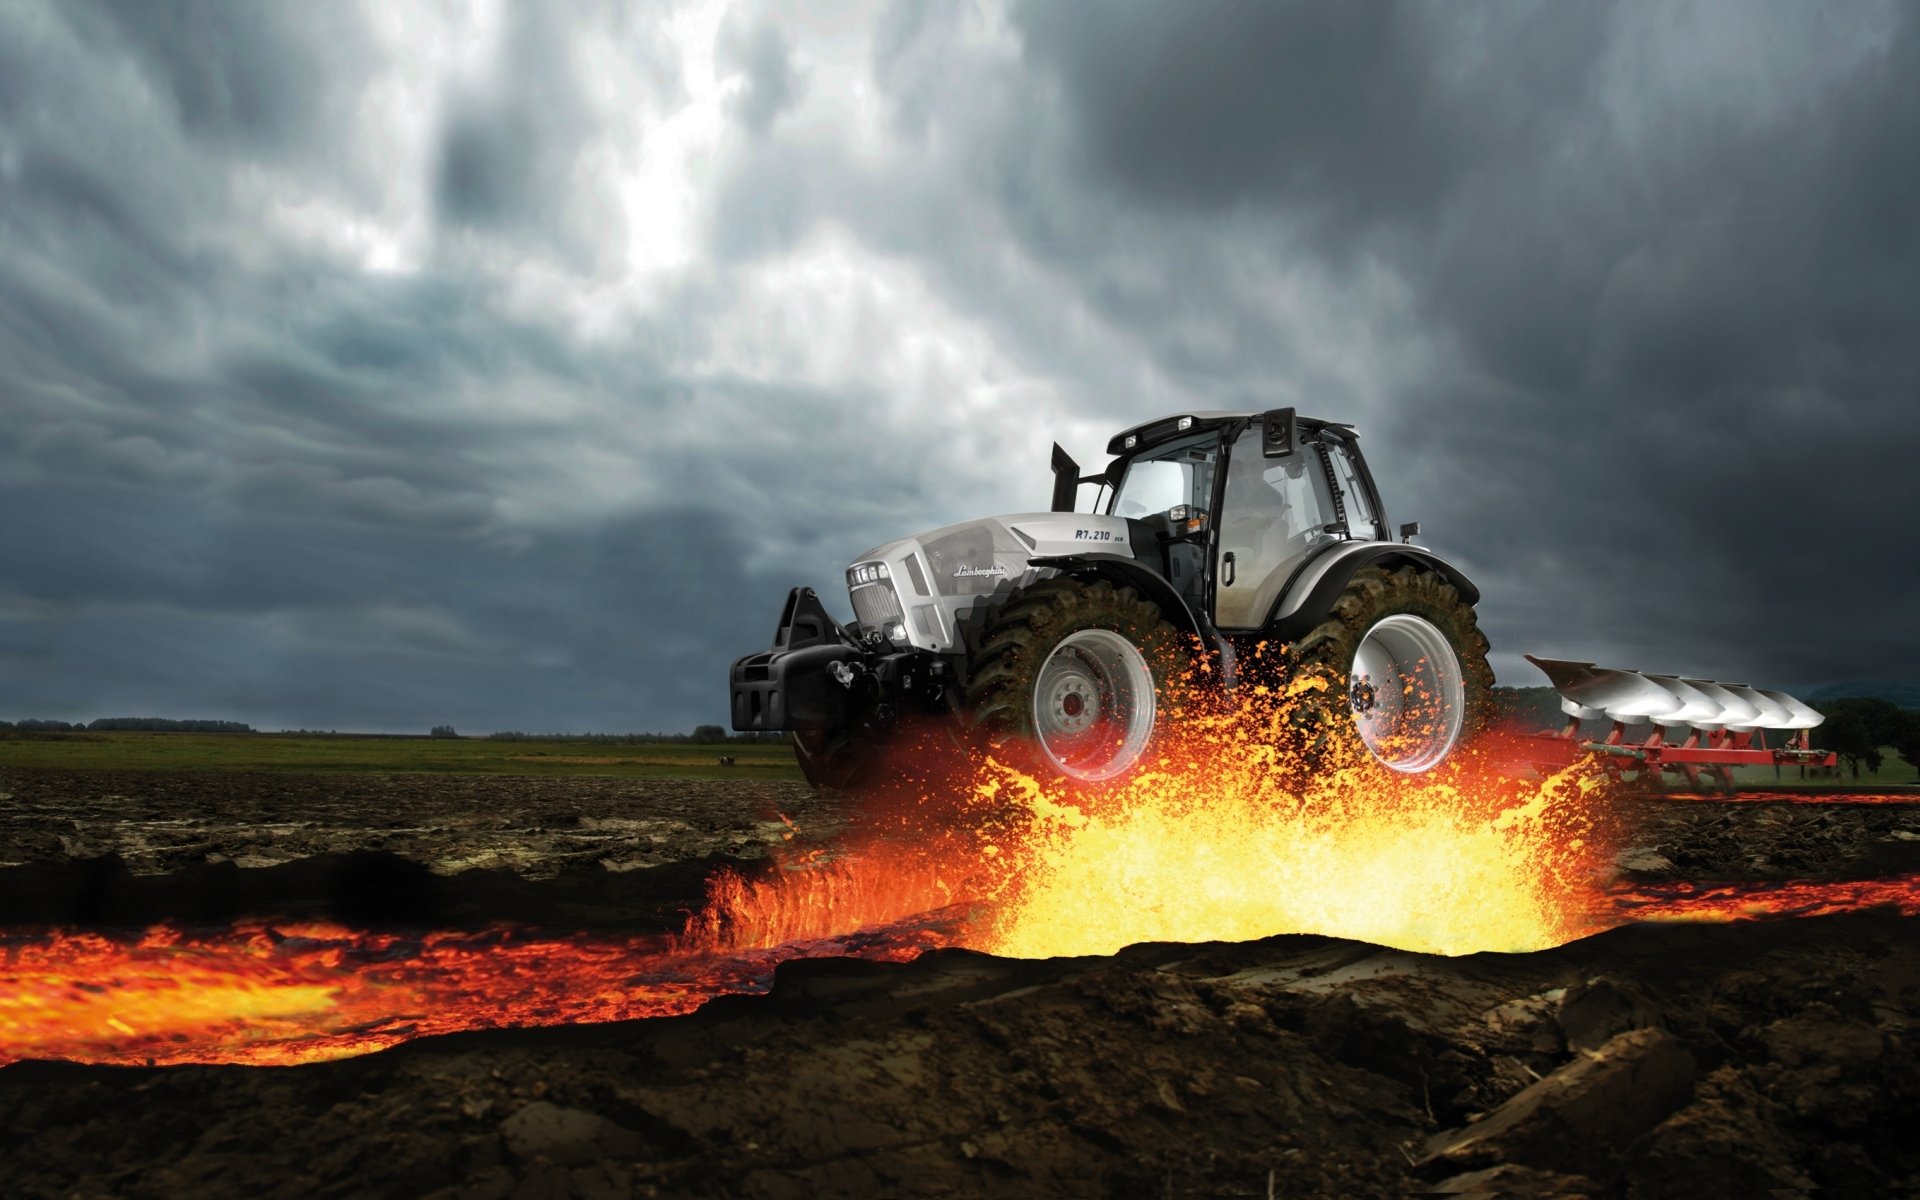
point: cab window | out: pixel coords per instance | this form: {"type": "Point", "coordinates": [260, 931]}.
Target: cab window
{"type": "Point", "coordinates": [1181, 472]}
{"type": "Point", "coordinates": [1362, 521]}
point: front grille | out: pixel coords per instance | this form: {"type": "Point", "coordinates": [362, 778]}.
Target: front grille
{"type": "Point", "coordinates": [875, 606]}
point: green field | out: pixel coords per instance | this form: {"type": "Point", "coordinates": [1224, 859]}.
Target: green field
{"type": "Point", "coordinates": [479, 756]}
{"type": "Point", "coordinates": [1893, 773]}
{"type": "Point", "coordinates": [345, 752]}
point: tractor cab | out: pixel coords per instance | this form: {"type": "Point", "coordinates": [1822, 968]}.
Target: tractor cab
{"type": "Point", "coordinates": [1237, 503]}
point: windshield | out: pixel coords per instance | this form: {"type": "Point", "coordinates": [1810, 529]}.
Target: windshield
{"type": "Point", "coordinates": [1180, 472]}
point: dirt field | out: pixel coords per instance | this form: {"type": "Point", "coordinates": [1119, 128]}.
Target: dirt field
{"type": "Point", "coordinates": [1660, 1060]}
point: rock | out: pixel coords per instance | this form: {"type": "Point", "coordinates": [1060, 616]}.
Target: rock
{"type": "Point", "coordinates": [1578, 1117]}
{"type": "Point", "coordinates": [566, 1136]}
{"type": "Point", "coordinates": [1509, 1179]}
{"type": "Point", "coordinates": [1643, 859]}
{"type": "Point", "coordinates": [1820, 1040]}
{"type": "Point", "coordinates": [1591, 1013]}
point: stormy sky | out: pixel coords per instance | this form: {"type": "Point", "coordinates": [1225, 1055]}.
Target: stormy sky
{"type": "Point", "coordinates": [372, 366]}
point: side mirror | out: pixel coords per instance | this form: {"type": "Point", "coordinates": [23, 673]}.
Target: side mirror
{"type": "Point", "coordinates": [1277, 432]}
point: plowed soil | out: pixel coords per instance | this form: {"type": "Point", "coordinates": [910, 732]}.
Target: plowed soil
{"type": "Point", "coordinates": [1669, 1060]}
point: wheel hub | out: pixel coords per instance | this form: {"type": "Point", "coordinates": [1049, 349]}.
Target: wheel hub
{"type": "Point", "coordinates": [1093, 705]}
{"type": "Point", "coordinates": [1407, 693]}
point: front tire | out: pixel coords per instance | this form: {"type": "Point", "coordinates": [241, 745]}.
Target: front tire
{"type": "Point", "coordinates": [835, 760]}
{"type": "Point", "coordinates": [1404, 666]}
{"type": "Point", "coordinates": [1073, 679]}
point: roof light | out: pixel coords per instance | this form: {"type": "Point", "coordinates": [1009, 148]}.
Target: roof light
{"type": "Point", "coordinates": [1186, 423]}
{"type": "Point", "coordinates": [1133, 439]}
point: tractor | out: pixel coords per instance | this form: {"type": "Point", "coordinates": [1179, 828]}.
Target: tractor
{"type": "Point", "coordinates": [1226, 547]}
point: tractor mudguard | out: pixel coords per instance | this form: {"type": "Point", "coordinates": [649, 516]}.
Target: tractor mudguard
{"type": "Point", "coordinates": [1309, 596]}
{"type": "Point", "coordinates": [1127, 572]}
{"type": "Point", "coordinates": [1130, 572]}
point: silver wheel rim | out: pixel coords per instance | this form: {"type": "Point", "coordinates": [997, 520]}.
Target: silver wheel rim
{"type": "Point", "coordinates": [1093, 705]}
{"type": "Point", "coordinates": [1408, 699]}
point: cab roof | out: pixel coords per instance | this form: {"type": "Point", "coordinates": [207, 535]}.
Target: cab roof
{"type": "Point", "coordinates": [1159, 429]}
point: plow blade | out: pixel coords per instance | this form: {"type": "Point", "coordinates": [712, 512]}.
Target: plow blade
{"type": "Point", "coordinates": [1718, 726]}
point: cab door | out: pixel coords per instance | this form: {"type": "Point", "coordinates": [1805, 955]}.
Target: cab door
{"type": "Point", "coordinates": [1276, 513]}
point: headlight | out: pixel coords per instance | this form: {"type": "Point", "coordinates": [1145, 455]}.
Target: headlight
{"type": "Point", "coordinates": [897, 633]}
{"type": "Point", "coordinates": [866, 573]}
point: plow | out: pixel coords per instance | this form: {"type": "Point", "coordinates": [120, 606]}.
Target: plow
{"type": "Point", "coordinates": [1226, 554]}
{"type": "Point", "coordinates": [1700, 730]}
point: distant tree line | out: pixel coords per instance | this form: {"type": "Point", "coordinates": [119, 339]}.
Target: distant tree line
{"type": "Point", "coordinates": [1858, 727]}
{"type": "Point", "coordinates": [164, 725]}
{"type": "Point", "coordinates": [116, 724]}
{"type": "Point", "coordinates": [703, 735]}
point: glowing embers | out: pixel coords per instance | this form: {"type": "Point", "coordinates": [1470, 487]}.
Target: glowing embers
{"type": "Point", "coordinates": [1213, 843]}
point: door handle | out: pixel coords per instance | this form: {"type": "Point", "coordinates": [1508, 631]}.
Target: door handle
{"type": "Point", "coordinates": [1226, 569]}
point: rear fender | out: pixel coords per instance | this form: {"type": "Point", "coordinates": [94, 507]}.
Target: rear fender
{"type": "Point", "coordinates": [1128, 572]}
{"type": "Point", "coordinates": [1310, 595]}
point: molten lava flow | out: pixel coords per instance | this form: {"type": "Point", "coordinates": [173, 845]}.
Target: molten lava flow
{"type": "Point", "coordinates": [1756, 901]}
{"type": "Point", "coordinates": [291, 994]}
{"type": "Point", "coordinates": [1845, 798]}
{"type": "Point", "coordinates": [1225, 837]}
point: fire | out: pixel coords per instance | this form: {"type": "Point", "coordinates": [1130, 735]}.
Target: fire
{"type": "Point", "coordinates": [1219, 840]}
{"type": "Point", "coordinates": [1210, 846]}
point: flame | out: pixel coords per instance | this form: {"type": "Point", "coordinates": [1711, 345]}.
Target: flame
{"type": "Point", "coordinates": [1218, 840]}
{"type": "Point", "coordinates": [1426, 865]}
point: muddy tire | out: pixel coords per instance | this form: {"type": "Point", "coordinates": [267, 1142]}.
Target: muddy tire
{"type": "Point", "coordinates": [1404, 671]}
{"type": "Point", "coordinates": [1074, 679]}
{"type": "Point", "coordinates": [836, 760]}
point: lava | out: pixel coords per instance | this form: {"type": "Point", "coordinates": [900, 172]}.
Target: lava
{"type": "Point", "coordinates": [1683, 901]}
{"type": "Point", "coordinates": [280, 995]}
{"type": "Point", "coordinates": [1223, 837]}
{"type": "Point", "coordinates": [1871, 799]}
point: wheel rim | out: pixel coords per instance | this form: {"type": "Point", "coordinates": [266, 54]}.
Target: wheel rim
{"type": "Point", "coordinates": [1407, 693]}
{"type": "Point", "coordinates": [1093, 705]}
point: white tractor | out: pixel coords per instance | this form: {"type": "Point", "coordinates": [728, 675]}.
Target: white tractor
{"type": "Point", "coordinates": [1225, 546]}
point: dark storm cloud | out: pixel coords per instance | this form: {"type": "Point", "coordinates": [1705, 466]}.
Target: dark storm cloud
{"type": "Point", "coordinates": [332, 396]}
{"type": "Point", "coordinates": [1681, 342]}
{"type": "Point", "coordinates": [1348, 112]}
{"type": "Point", "coordinates": [248, 74]}
{"type": "Point", "coordinates": [772, 83]}
{"type": "Point", "coordinates": [510, 142]}
{"type": "Point", "coordinates": [300, 620]}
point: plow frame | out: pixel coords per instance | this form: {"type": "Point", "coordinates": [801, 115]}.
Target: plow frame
{"type": "Point", "coordinates": [1716, 752]}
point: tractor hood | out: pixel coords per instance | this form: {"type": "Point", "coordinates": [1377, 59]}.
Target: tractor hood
{"type": "Point", "coordinates": [918, 590]}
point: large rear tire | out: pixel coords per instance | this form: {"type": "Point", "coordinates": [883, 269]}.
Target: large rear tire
{"type": "Point", "coordinates": [1074, 679]}
{"type": "Point", "coordinates": [1404, 665]}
